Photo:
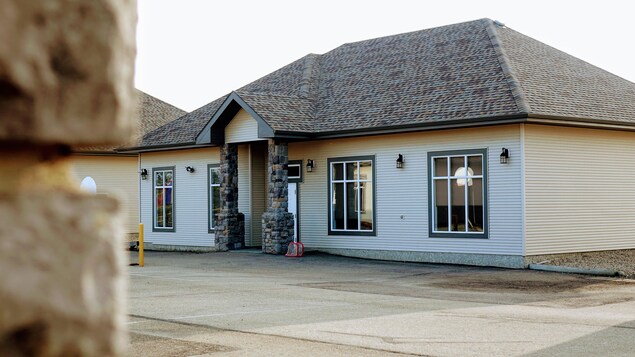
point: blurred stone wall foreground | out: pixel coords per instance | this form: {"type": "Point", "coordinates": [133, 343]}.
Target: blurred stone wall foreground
{"type": "Point", "coordinates": [66, 78]}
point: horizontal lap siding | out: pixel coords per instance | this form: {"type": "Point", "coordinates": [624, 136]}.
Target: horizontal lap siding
{"type": "Point", "coordinates": [116, 176]}
{"type": "Point", "coordinates": [242, 128]}
{"type": "Point", "coordinates": [258, 188]}
{"type": "Point", "coordinates": [405, 191]}
{"type": "Point", "coordinates": [244, 192]}
{"type": "Point", "coordinates": [580, 194]}
{"type": "Point", "coordinates": [190, 199]}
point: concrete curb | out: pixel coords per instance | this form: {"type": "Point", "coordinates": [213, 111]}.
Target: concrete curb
{"type": "Point", "coordinates": [573, 270]}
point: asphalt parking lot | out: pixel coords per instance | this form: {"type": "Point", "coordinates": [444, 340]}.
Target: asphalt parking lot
{"type": "Point", "coordinates": [244, 303]}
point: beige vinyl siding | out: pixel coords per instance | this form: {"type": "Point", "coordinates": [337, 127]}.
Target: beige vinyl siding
{"type": "Point", "coordinates": [251, 190]}
{"type": "Point", "coordinates": [242, 128]}
{"type": "Point", "coordinates": [190, 196]}
{"type": "Point", "coordinates": [244, 193]}
{"type": "Point", "coordinates": [114, 175]}
{"type": "Point", "coordinates": [404, 192]}
{"type": "Point", "coordinates": [579, 187]}
{"type": "Point", "coordinates": [258, 191]}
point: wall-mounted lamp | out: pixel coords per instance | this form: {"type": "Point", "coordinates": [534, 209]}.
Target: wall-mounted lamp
{"type": "Point", "coordinates": [400, 161]}
{"type": "Point", "coordinates": [504, 156]}
{"type": "Point", "coordinates": [144, 174]}
{"type": "Point", "coordinates": [310, 165]}
{"type": "Point", "coordinates": [190, 169]}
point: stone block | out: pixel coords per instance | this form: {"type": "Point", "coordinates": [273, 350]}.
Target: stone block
{"type": "Point", "coordinates": [229, 230]}
{"type": "Point", "coordinates": [66, 71]}
{"type": "Point", "coordinates": [62, 274]}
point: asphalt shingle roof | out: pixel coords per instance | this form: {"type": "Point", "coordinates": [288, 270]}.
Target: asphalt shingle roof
{"type": "Point", "coordinates": [462, 72]}
{"type": "Point", "coordinates": [557, 84]}
{"type": "Point", "coordinates": [151, 113]}
{"type": "Point", "coordinates": [445, 73]}
{"type": "Point", "coordinates": [184, 129]}
{"type": "Point", "coordinates": [280, 108]}
{"type": "Point", "coordinates": [154, 112]}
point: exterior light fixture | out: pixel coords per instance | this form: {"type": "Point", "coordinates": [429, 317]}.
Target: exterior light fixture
{"type": "Point", "coordinates": [504, 156]}
{"type": "Point", "coordinates": [400, 161]}
{"type": "Point", "coordinates": [144, 174]}
{"type": "Point", "coordinates": [310, 165]}
{"type": "Point", "coordinates": [462, 172]}
{"type": "Point", "coordinates": [190, 169]}
{"type": "Point", "coordinates": [88, 185]}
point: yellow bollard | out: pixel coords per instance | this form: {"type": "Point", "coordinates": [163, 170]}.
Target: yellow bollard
{"type": "Point", "coordinates": [140, 244]}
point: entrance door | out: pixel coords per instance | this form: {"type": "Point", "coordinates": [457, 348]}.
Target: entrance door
{"type": "Point", "coordinates": [293, 207]}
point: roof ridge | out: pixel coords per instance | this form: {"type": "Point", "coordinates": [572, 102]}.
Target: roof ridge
{"type": "Point", "coordinates": [436, 28]}
{"type": "Point", "coordinates": [309, 75]}
{"type": "Point", "coordinates": [257, 94]}
{"type": "Point", "coordinates": [514, 84]}
{"type": "Point", "coordinates": [310, 83]}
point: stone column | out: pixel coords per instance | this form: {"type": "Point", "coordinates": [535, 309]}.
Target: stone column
{"type": "Point", "coordinates": [277, 222]}
{"type": "Point", "coordinates": [66, 79]}
{"type": "Point", "coordinates": [230, 224]}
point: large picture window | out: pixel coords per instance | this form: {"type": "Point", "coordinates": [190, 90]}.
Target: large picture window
{"type": "Point", "coordinates": [458, 199]}
{"type": "Point", "coordinates": [351, 196]}
{"type": "Point", "coordinates": [163, 198]}
{"type": "Point", "coordinates": [213, 194]}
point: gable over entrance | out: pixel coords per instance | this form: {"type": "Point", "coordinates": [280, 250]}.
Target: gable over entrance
{"type": "Point", "coordinates": [243, 130]}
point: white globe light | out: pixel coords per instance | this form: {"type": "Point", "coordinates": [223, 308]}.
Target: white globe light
{"type": "Point", "coordinates": [460, 172]}
{"type": "Point", "coordinates": [88, 185]}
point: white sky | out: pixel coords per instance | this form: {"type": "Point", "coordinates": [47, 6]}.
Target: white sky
{"type": "Point", "coordinates": [191, 52]}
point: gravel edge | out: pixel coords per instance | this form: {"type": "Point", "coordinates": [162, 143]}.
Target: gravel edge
{"type": "Point", "coordinates": [621, 261]}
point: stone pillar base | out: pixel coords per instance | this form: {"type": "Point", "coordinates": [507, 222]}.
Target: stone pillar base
{"type": "Point", "coordinates": [230, 231]}
{"type": "Point", "coordinates": [277, 231]}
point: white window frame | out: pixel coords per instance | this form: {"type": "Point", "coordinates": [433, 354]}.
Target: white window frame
{"type": "Point", "coordinates": [298, 164]}
{"type": "Point", "coordinates": [210, 198]}
{"type": "Point", "coordinates": [359, 187]}
{"type": "Point", "coordinates": [448, 155]}
{"type": "Point", "coordinates": [163, 170]}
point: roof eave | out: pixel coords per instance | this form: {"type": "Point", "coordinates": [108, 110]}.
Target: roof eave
{"type": "Point", "coordinates": [453, 124]}
{"type": "Point", "coordinates": [589, 123]}
{"type": "Point", "coordinates": [529, 118]}
{"type": "Point", "coordinates": [465, 123]}
{"type": "Point", "coordinates": [101, 153]}
{"type": "Point", "coordinates": [164, 147]}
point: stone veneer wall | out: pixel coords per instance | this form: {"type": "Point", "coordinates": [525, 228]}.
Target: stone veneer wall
{"type": "Point", "coordinates": [277, 222]}
{"type": "Point", "coordinates": [230, 224]}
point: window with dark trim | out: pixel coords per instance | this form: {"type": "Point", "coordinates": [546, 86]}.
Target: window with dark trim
{"type": "Point", "coordinates": [213, 194]}
{"type": "Point", "coordinates": [352, 195]}
{"type": "Point", "coordinates": [458, 193]}
{"type": "Point", "coordinates": [163, 198]}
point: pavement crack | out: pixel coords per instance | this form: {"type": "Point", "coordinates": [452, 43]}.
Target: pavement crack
{"type": "Point", "coordinates": [527, 320]}
{"type": "Point", "coordinates": [402, 340]}
{"type": "Point", "coordinates": [219, 329]}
